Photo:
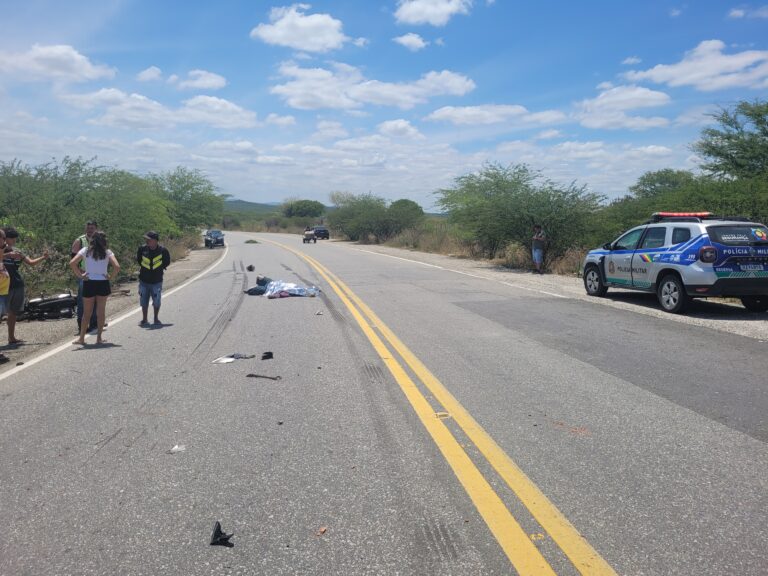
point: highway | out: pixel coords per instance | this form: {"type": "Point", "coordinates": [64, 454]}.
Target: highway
{"type": "Point", "coordinates": [414, 419]}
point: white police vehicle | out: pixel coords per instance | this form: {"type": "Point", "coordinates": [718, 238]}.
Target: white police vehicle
{"type": "Point", "coordinates": [685, 255]}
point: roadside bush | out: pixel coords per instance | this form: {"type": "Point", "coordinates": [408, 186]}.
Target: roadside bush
{"type": "Point", "coordinates": [569, 263]}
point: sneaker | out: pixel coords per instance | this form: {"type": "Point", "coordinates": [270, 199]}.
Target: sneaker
{"type": "Point", "coordinates": [143, 323]}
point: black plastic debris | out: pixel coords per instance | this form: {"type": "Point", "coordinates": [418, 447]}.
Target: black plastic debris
{"type": "Point", "coordinates": [219, 538]}
{"type": "Point", "coordinates": [263, 376]}
{"type": "Point", "coordinates": [267, 356]}
{"type": "Point", "coordinates": [250, 267]}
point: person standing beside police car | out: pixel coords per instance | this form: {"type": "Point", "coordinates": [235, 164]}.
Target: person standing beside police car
{"type": "Point", "coordinates": [153, 259]}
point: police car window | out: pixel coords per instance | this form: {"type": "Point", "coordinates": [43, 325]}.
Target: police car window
{"type": "Point", "coordinates": [628, 241]}
{"type": "Point", "coordinates": [738, 234]}
{"type": "Point", "coordinates": [654, 238]}
{"type": "Point", "coordinates": [680, 235]}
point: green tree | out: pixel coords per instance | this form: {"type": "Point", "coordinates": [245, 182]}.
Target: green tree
{"type": "Point", "coordinates": [193, 197]}
{"type": "Point", "coordinates": [738, 148]}
{"type": "Point", "coordinates": [359, 217]}
{"type": "Point", "coordinates": [652, 184]}
{"type": "Point", "coordinates": [500, 204]}
{"type": "Point", "coordinates": [302, 208]}
{"type": "Point", "coordinates": [403, 214]}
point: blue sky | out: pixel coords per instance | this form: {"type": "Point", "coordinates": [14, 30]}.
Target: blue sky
{"type": "Point", "coordinates": [399, 97]}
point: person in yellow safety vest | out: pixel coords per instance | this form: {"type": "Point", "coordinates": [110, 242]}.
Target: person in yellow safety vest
{"type": "Point", "coordinates": [83, 241]}
{"type": "Point", "coordinates": [153, 259]}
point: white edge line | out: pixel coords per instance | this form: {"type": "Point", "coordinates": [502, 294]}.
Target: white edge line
{"type": "Point", "coordinates": [112, 322]}
{"type": "Point", "coordinates": [465, 273]}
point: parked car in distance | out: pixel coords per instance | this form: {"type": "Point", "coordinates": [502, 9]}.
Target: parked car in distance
{"type": "Point", "coordinates": [214, 238]}
{"type": "Point", "coordinates": [684, 255]}
{"type": "Point", "coordinates": [322, 233]}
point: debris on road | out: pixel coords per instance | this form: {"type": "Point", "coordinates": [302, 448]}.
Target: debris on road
{"type": "Point", "coordinates": [280, 289]}
{"type": "Point", "coordinates": [232, 357]}
{"type": "Point", "coordinates": [323, 530]}
{"type": "Point", "coordinates": [263, 376]}
{"type": "Point", "coordinates": [219, 538]}
{"type": "Point", "coordinates": [250, 267]}
{"type": "Point", "coordinates": [177, 448]}
{"type": "Point", "coordinates": [319, 313]}
{"type": "Point", "coordinates": [267, 356]}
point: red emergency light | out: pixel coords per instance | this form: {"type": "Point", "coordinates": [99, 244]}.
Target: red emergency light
{"type": "Point", "coordinates": [682, 214]}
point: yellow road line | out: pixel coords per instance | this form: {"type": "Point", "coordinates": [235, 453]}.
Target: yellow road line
{"type": "Point", "coordinates": [583, 556]}
{"type": "Point", "coordinates": [514, 541]}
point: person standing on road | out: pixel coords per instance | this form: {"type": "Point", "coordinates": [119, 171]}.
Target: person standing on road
{"type": "Point", "coordinates": [537, 248]}
{"type": "Point", "coordinates": [5, 283]}
{"type": "Point", "coordinates": [83, 241]}
{"type": "Point", "coordinates": [153, 259]}
{"type": "Point", "coordinates": [96, 281]}
{"type": "Point", "coordinates": [12, 260]}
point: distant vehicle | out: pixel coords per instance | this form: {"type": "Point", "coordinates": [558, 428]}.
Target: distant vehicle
{"type": "Point", "coordinates": [685, 255]}
{"type": "Point", "coordinates": [322, 233]}
{"type": "Point", "coordinates": [309, 236]}
{"type": "Point", "coordinates": [214, 238]}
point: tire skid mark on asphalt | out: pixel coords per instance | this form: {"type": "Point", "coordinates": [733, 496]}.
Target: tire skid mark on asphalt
{"type": "Point", "coordinates": [514, 541]}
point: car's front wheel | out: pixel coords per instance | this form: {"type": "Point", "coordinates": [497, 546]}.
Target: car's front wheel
{"type": "Point", "coordinates": [593, 282]}
{"type": "Point", "coordinates": [755, 303]}
{"type": "Point", "coordinates": [672, 295]}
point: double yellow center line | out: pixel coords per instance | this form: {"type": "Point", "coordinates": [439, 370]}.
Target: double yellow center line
{"type": "Point", "coordinates": [516, 544]}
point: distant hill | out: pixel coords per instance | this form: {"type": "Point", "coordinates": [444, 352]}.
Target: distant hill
{"type": "Point", "coordinates": [244, 207]}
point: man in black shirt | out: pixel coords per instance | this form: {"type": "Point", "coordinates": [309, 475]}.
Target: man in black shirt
{"type": "Point", "coordinates": [153, 259]}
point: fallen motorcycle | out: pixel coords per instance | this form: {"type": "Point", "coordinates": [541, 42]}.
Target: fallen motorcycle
{"type": "Point", "coordinates": [51, 307]}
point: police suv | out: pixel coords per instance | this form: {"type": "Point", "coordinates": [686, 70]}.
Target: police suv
{"type": "Point", "coordinates": [685, 255]}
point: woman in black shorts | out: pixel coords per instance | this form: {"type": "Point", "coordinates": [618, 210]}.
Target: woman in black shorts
{"type": "Point", "coordinates": [96, 280]}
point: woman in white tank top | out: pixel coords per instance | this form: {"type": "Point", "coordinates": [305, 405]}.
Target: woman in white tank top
{"type": "Point", "coordinates": [96, 281]}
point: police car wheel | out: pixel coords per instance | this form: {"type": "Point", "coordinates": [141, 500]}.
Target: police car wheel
{"type": "Point", "coordinates": [672, 295]}
{"type": "Point", "coordinates": [593, 283]}
{"type": "Point", "coordinates": [755, 303]}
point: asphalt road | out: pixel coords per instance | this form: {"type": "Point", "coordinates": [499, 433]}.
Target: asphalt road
{"type": "Point", "coordinates": [426, 420]}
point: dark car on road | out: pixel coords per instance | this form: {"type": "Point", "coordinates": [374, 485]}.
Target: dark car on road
{"type": "Point", "coordinates": [214, 238]}
{"type": "Point", "coordinates": [321, 232]}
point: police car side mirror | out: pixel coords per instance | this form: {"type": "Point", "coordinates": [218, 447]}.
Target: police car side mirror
{"type": "Point", "coordinates": [607, 246]}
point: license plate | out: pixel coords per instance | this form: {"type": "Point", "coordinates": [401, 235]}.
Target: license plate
{"type": "Point", "coordinates": [751, 267]}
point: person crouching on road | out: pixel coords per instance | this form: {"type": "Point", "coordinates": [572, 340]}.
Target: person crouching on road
{"type": "Point", "coordinates": [96, 281]}
{"type": "Point", "coordinates": [12, 260]}
{"type": "Point", "coordinates": [153, 259]}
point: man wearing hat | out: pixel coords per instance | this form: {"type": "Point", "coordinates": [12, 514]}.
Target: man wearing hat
{"type": "Point", "coordinates": [153, 259]}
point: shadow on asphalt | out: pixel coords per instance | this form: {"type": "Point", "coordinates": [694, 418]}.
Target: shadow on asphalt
{"type": "Point", "coordinates": [699, 308]}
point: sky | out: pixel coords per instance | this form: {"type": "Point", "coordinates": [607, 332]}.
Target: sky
{"type": "Point", "coordinates": [396, 98]}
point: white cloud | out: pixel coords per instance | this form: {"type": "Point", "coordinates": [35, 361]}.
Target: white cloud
{"type": "Point", "coordinates": [400, 129]}
{"type": "Point", "coordinates": [292, 28]}
{"type": "Point", "coordinates": [434, 12]}
{"type": "Point", "coordinates": [548, 135]}
{"type": "Point", "coordinates": [706, 68]}
{"type": "Point", "coordinates": [139, 112]}
{"type": "Point", "coordinates": [328, 130]}
{"type": "Point", "coordinates": [631, 60]}
{"type": "Point", "coordinates": [493, 114]}
{"type": "Point", "coordinates": [344, 87]}
{"type": "Point", "coordinates": [60, 63]}
{"type": "Point", "coordinates": [233, 146]}
{"type": "Point", "coordinates": [608, 110]}
{"type": "Point", "coordinates": [204, 80]}
{"type": "Point", "coordinates": [412, 41]}
{"type": "Point", "coordinates": [697, 116]}
{"type": "Point", "coordinates": [216, 112]}
{"type": "Point", "coordinates": [148, 144]}
{"type": "Point", "coordinates": [761, 12]}
{"type": "Point", "coordinates": [277, 120]}
{"type": "Point", "coordinates": [675, 12]}
{"type": "Point", "coordinates": [151, 73]}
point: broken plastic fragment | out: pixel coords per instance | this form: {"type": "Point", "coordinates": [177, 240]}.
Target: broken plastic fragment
{"type": "Point", "coordinates": [267, 356]}
{"type": "Point", "coordinates": [232, 357]}
{"type": "Point", "coordinates": [219, 538]}
{"type": "Point", "coordinates": [177, 448]}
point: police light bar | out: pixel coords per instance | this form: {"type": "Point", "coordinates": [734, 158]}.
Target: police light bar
{"type": "Point", "coordinates": [681, 214]}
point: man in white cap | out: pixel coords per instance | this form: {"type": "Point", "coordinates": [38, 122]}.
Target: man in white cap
{"type": "Point", "coordinates": [153, 259]}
